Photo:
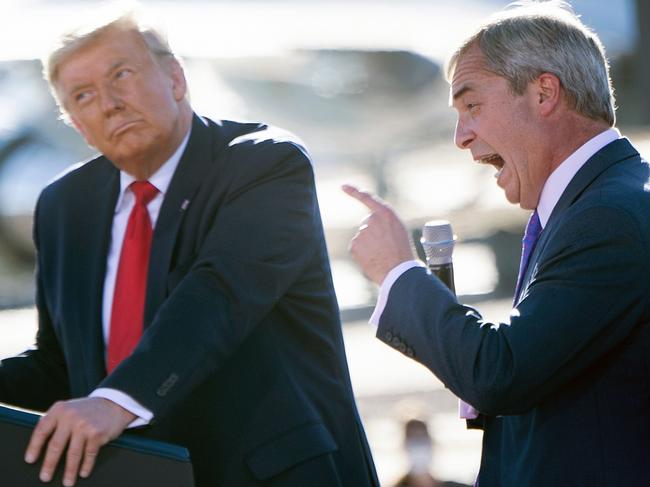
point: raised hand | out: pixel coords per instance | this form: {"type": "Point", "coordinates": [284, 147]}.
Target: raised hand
{"type": "Point", "coordinates": [382, 241]}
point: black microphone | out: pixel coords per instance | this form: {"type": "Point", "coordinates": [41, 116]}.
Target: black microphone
{"type": "Point", "coordinates": [438, 242]}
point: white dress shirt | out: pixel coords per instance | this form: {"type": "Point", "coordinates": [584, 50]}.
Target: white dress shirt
{"type": "Point", "coordinates": [125, 202]}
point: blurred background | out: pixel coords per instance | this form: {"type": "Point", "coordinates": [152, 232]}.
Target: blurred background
{"type": "Point", "coordinates": [361, 82]}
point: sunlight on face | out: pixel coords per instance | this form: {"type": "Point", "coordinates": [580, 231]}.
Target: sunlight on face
{"type": "Point", "coordinates": [124, 103]}
{"type": "Point", "coordinates": [499, 128]}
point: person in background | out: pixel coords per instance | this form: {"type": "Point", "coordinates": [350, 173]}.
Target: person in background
{"type": "Point", "coordinates": [183, 285]}
{"type": "Point", "coordinates": [418, 445]}
{"type": "Point", "coordinates": [561, 389]}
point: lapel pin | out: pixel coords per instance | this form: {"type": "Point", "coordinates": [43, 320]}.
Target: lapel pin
{"type": "Point", "coordinates": [185, 204]}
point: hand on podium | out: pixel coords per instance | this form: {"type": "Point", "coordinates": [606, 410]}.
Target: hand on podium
{"type": "Point", "coordinates": [82, 426]}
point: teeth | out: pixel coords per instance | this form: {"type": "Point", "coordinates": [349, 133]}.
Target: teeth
{"type": "Point", "coordinates": [489, 159]}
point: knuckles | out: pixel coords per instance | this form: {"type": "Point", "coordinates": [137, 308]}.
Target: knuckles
{"type": "Point", "coordinates": [75, 455]}
{"type": "Point", "coordinates": [353, 248]}
{"type": "Point", "coordinates": [62, 413]}
{"type": "Point", "coordinates": [55, 447]}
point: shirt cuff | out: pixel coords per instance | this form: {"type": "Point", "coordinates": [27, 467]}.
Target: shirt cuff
{"type": "Point", "coordinates": [386, 286]}
{"type": "Point", "coordinates": [466, 411]}
{"type": "Point", "coordinates": [144, 416]}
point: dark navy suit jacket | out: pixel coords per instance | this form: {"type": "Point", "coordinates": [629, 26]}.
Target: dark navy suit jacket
{"type": "Point", "coordinates": [242, 357]}
{"type": "Point", "coordinates": [566, 383]}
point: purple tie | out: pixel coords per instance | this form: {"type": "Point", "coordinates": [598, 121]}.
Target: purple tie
{"type": "Point", "coordinates": [531, 235]}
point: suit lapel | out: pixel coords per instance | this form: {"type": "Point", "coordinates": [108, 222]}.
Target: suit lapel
{"type": "Point", "coordinates": [184, 184]}
{"type": "Point", "coordinates": [98, 209]}
{"type": "Point", "coordinates": [609, 155]}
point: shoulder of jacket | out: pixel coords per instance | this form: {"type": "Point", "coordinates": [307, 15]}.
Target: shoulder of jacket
{"type": "Point", "coordinates": [256, 135]}
{"type": "Point", "coordinates": [80, 173]}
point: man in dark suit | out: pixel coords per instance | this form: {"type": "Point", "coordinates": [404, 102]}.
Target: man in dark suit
{"type": "Point", "coordinates": [564, 386]}
{"type": "Point", "coordinates": [228, 341]}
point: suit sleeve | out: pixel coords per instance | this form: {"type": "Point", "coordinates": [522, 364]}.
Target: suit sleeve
{"type": "Point", "coordinates": [264, 234]}
{"type": "Point", "coordinates": [586, 298]}
{"type": "Point", "coordinates": [38, 377]}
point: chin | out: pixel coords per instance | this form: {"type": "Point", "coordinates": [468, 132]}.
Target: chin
{"type": "Point", "coordinates": [513, 199]}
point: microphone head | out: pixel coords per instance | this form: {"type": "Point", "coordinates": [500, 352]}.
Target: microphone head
{"type": "Point", "coordinates": [438, 241]}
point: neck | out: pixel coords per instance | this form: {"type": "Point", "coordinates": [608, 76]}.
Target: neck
{"type": "Point", "coordinates": [572, 132]}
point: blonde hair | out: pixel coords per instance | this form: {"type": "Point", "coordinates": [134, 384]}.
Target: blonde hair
{"type": "Point", "coordinates": [72, 41]}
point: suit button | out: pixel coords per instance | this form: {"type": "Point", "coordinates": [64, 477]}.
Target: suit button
{"type": "Point", "coordinates": [167, 385]}
{"type": "Point", "coordinates": [388, 336]}
{"type": "Point", "coordinates": [396, 341]}
{"type": "Point", "coordinates": [402, 348]}
{"type": "Point", "coordinates": [410, 353]}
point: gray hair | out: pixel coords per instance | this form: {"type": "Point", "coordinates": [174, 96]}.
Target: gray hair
{"type": "Point", "coordinates": [530, 38]}
{"type": "Point", "coordinates": [73, 41]}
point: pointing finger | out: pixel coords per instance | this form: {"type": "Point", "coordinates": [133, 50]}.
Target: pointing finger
{"type": "Point", "coordinates": [372, 202]}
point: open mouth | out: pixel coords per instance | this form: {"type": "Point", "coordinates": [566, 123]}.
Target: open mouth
{"type": "Point", "coordinates": [493, 160]}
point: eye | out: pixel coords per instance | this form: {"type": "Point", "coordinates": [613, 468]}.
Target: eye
{"type": "Point", "coordinates": [82, 97]}
{"type": "Point", "coordinates": [472, 108]}
{"type": "Point", "coordinates": [123, 73]}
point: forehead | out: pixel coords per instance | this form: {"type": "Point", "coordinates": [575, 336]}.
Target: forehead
{"type": "Point", "coordinates": [100, 54]}
{"type": "Point", "coordinates": [471, 74]}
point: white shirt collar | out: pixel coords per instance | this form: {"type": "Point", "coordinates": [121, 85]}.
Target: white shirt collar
{"type": "Point", "coordinates": [560, 178]}
{"type": "Point", "coordinates": [162, 178]}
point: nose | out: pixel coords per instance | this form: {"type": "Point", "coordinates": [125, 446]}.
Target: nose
{"type": "Point", "coordinates": [109, 99]}
{"type": "Point", "coordinates": [463, 135]}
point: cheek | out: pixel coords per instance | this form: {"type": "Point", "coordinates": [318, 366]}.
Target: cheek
{"type": "Point", "coordinates": [88, 131]}
{"type": "Point", "coordinates": [161, 111]}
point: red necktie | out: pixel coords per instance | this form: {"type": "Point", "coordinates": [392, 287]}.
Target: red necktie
{"type": "Point", "coordinates": [131, 283]}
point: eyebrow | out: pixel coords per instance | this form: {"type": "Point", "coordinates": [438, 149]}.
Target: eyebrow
{"type": "Point", "coordinates": [461, 92]}
{"type": "Point", "coordinates": [115, 66]}
{"type": "Point", "coordinates": [76, 88]}
{"type": "Point", "coordinates": [111, 68]}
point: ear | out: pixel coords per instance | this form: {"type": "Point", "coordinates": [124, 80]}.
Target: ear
{"type": "Point", "coordinates": [179, 83]}
{"type": "Point", "coordinates": [549, 93]}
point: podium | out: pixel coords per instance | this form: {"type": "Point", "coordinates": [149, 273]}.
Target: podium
{"type": "Point", "coordinates": [128, 461]}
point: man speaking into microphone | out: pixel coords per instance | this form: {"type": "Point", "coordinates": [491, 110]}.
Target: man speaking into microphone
{"type": "Point", "coordinates": [563, 386]}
